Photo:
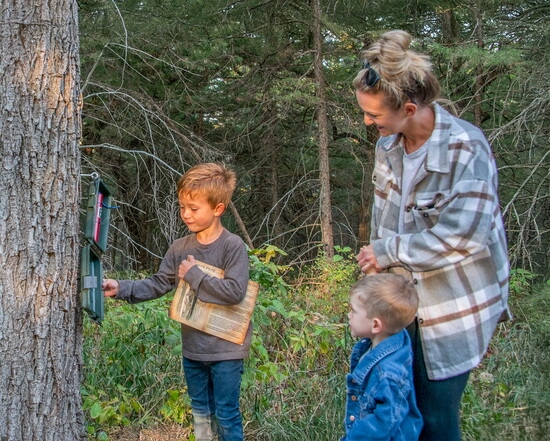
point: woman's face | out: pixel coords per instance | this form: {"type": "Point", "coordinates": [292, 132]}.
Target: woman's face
{"type": "Point", "coordinates": [375, 111]}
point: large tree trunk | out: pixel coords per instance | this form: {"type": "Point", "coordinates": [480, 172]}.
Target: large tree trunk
{"type": "Point", "coordinates": [322, 120]}
{"type": "Point", "coordinates": [40, 322]}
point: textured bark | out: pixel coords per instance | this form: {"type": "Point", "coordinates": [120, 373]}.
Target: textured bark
{"type": "Point", "coordinates": [323, 123]}
{"type": "Point", "coordinates": [365, 210]}
{"type": "Point", "coordinates": [276, 221]}
{"type": "Point", "coordinates": [40, 322]}
{"type": "Point", "coordinates": [449, 26]}
{"type": "Point", "coordinates": [480, 75]}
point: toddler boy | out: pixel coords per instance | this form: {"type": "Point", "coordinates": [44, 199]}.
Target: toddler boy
{"type": "Point", "coordinates": [381, 403]}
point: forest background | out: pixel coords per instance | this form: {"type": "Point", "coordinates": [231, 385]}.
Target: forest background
{"type": "Point", "coordinates": [265, 86]}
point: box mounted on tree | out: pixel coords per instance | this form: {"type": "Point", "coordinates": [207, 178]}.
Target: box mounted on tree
{"type": "Point", "coordinates": [97, 214]}
{"type": "Point", "coordinates": [91, 276]}
{"type": "Point", "coordinates": [96, 231]}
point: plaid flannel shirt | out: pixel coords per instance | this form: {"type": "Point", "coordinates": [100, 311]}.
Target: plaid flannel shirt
{"type": "Point", "coordinates": [453, 243]}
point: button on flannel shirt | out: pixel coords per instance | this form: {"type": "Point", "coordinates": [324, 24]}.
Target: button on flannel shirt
{"type": "Point", "coordinates": [453, 243]}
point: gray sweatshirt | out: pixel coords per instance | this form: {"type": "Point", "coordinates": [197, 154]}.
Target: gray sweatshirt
{"type": "Point", "coordinates": [228, 252]}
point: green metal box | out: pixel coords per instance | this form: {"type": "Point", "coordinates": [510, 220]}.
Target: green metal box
{"type": "Point", "coordinates": [91, 277]}
{"type": "Point", "coordinates": [98, 213]}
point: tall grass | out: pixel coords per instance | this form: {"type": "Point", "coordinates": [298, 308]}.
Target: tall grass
{"type": "Point", "coordinates": [293, 387]}
{"type": "Point", "coordinates": [508, 396]}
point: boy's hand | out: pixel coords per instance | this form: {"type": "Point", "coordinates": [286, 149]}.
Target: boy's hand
{"type": "Point", "coordinates": [110, 287]}
{"type": "Point", "coordinates": [367, 260]}
{"type": "Point", "coordinates": [185, 265]}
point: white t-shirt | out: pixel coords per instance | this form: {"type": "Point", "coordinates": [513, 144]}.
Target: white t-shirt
{"type": "Point", "coordinates": [411, 164]}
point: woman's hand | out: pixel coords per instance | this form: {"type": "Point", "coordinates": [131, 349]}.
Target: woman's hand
{"type": "Point", "coordinates": [367, 260]}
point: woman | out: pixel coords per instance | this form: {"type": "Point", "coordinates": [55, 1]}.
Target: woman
{"type": "Point", "coordinates": [436, 218]}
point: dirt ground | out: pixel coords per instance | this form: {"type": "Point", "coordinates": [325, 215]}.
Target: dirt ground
{"type": "Point", "coordinates": [159, 433]}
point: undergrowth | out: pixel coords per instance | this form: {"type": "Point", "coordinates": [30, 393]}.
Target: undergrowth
{"type": "Point", "coordinates": [293, 387]}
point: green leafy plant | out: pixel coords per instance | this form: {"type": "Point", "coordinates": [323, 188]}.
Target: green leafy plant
{"type": "Point", "coordinates": [521, 281]}
{"type": "Point", "coordinates": [132, 358]}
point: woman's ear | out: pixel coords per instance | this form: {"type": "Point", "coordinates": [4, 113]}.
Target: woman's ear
{"type": "Point", "coordinates": [410, 109]}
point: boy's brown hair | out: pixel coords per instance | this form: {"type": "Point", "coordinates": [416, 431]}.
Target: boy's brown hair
{"type": "Point", "coordinates": [213, 181]}
{"type": "Point", "coordinates": [389, 297]}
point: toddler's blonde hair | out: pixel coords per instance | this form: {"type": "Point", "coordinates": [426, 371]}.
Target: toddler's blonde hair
{"type": "Point", "coordinates": [389, 297]}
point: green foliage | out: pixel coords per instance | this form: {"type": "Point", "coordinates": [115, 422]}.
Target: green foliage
{"type": "Point", "coordinates": [176, 406]}
{"type": "Point", "coordinates": [265, 271]}
{"type": "Point", "coordinates": [521, 281]}
{"type": "Point", "coordinates": [133, 362]}
{"type": "Point", "coordinates": [294, 381]}
{"type": "Point", "coordinates": [507, 396]}
{"type": "Point", "coordinates": [300, 349]}
{"type": "Point", "coordinates": [132, 365]}
{"type": "Point", "coordinates": [212, 80]}
{"type": "Point", "coordinates": [325, 284]}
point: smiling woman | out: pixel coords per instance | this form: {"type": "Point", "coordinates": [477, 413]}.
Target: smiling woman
{"type": "Point", "coordinates": [435, 219]}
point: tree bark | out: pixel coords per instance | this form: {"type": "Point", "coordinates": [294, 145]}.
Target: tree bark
{"type": "Point", "coordinates": [40, 320]}
{"type": "Point", "coordinates": [367, 191]}
{"type": "Point", "coordinates": [323, 136]}
{"type": "Point", "coordinates": [449, 26]}
{"type": "Point", "coordinates": [480, 76]}
{"type": "Point", "coordinates": [242, 226]}
{"type": "Point", "coordinates": [274, 188]}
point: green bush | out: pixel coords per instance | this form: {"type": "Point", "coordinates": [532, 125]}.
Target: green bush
{"type": "Point", "coordinates": [507, 395]}
{"type": "Point", "coordinates": [293, 386]}
{"type": "Point", "coordinates": [295, 372]}
{"type": "Point", "coordinates": [132, 367]}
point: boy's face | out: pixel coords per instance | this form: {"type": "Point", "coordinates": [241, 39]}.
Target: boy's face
{"type": "Point", "coordinates": [198, 214]}
{"type": "Point", "coordinates": [360, 324]}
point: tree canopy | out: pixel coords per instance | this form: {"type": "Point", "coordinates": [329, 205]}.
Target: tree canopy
{"type": "Point", "coordinates": [168, 84]}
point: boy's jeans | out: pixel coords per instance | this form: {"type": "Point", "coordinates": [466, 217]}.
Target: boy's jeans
{"type": "Point", "coordinates": [214, 388]}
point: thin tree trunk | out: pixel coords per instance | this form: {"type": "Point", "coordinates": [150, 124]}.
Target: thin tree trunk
{"type": "Point", "coordinates": [40, 321]}
{"type": "Point", "coordinates": [480, 77]}
{"type": "Point", "coordinates": [323, 124]}
{"type": "Point", "coordinates": [274, 188]}
{"type": "Point", "coordinates": [242, 226]}
{"type": "Point", "coordinates": [449, 26]}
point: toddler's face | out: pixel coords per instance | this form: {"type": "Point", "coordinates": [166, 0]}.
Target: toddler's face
{"type": "Point", "coordinates": [359, 323]}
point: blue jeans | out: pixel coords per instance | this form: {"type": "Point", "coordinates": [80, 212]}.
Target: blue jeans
{"type": "Point", "coordinates": [437, 400]}
{"type": "Point", "coordinates": [214, 388]}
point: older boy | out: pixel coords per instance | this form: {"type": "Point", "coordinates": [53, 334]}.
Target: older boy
{"type": "Point", "coordinates": [213, 367]}
{"type": "Point", "coordinates": [381, 404]}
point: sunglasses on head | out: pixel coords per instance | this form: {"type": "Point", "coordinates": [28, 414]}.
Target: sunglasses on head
{"type": "Point", "coordinates": [371, 77]}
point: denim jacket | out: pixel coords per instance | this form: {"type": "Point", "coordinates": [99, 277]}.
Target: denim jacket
{"type": "Point", "coordinates": [381, 404]}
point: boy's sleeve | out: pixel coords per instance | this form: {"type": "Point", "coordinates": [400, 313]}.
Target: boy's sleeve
{"type": "Point", "coordinates": [391, 409]}
{"type": "Point", "coordinates": [136, 291]}
{"type": "Point", "coordinates": [230, 290]}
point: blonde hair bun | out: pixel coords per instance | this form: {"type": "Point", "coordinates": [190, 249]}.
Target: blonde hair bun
{"type": "Point", "coordinates": [401, 39]}
{"type": "Point", "coordinates": [404, 73]}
